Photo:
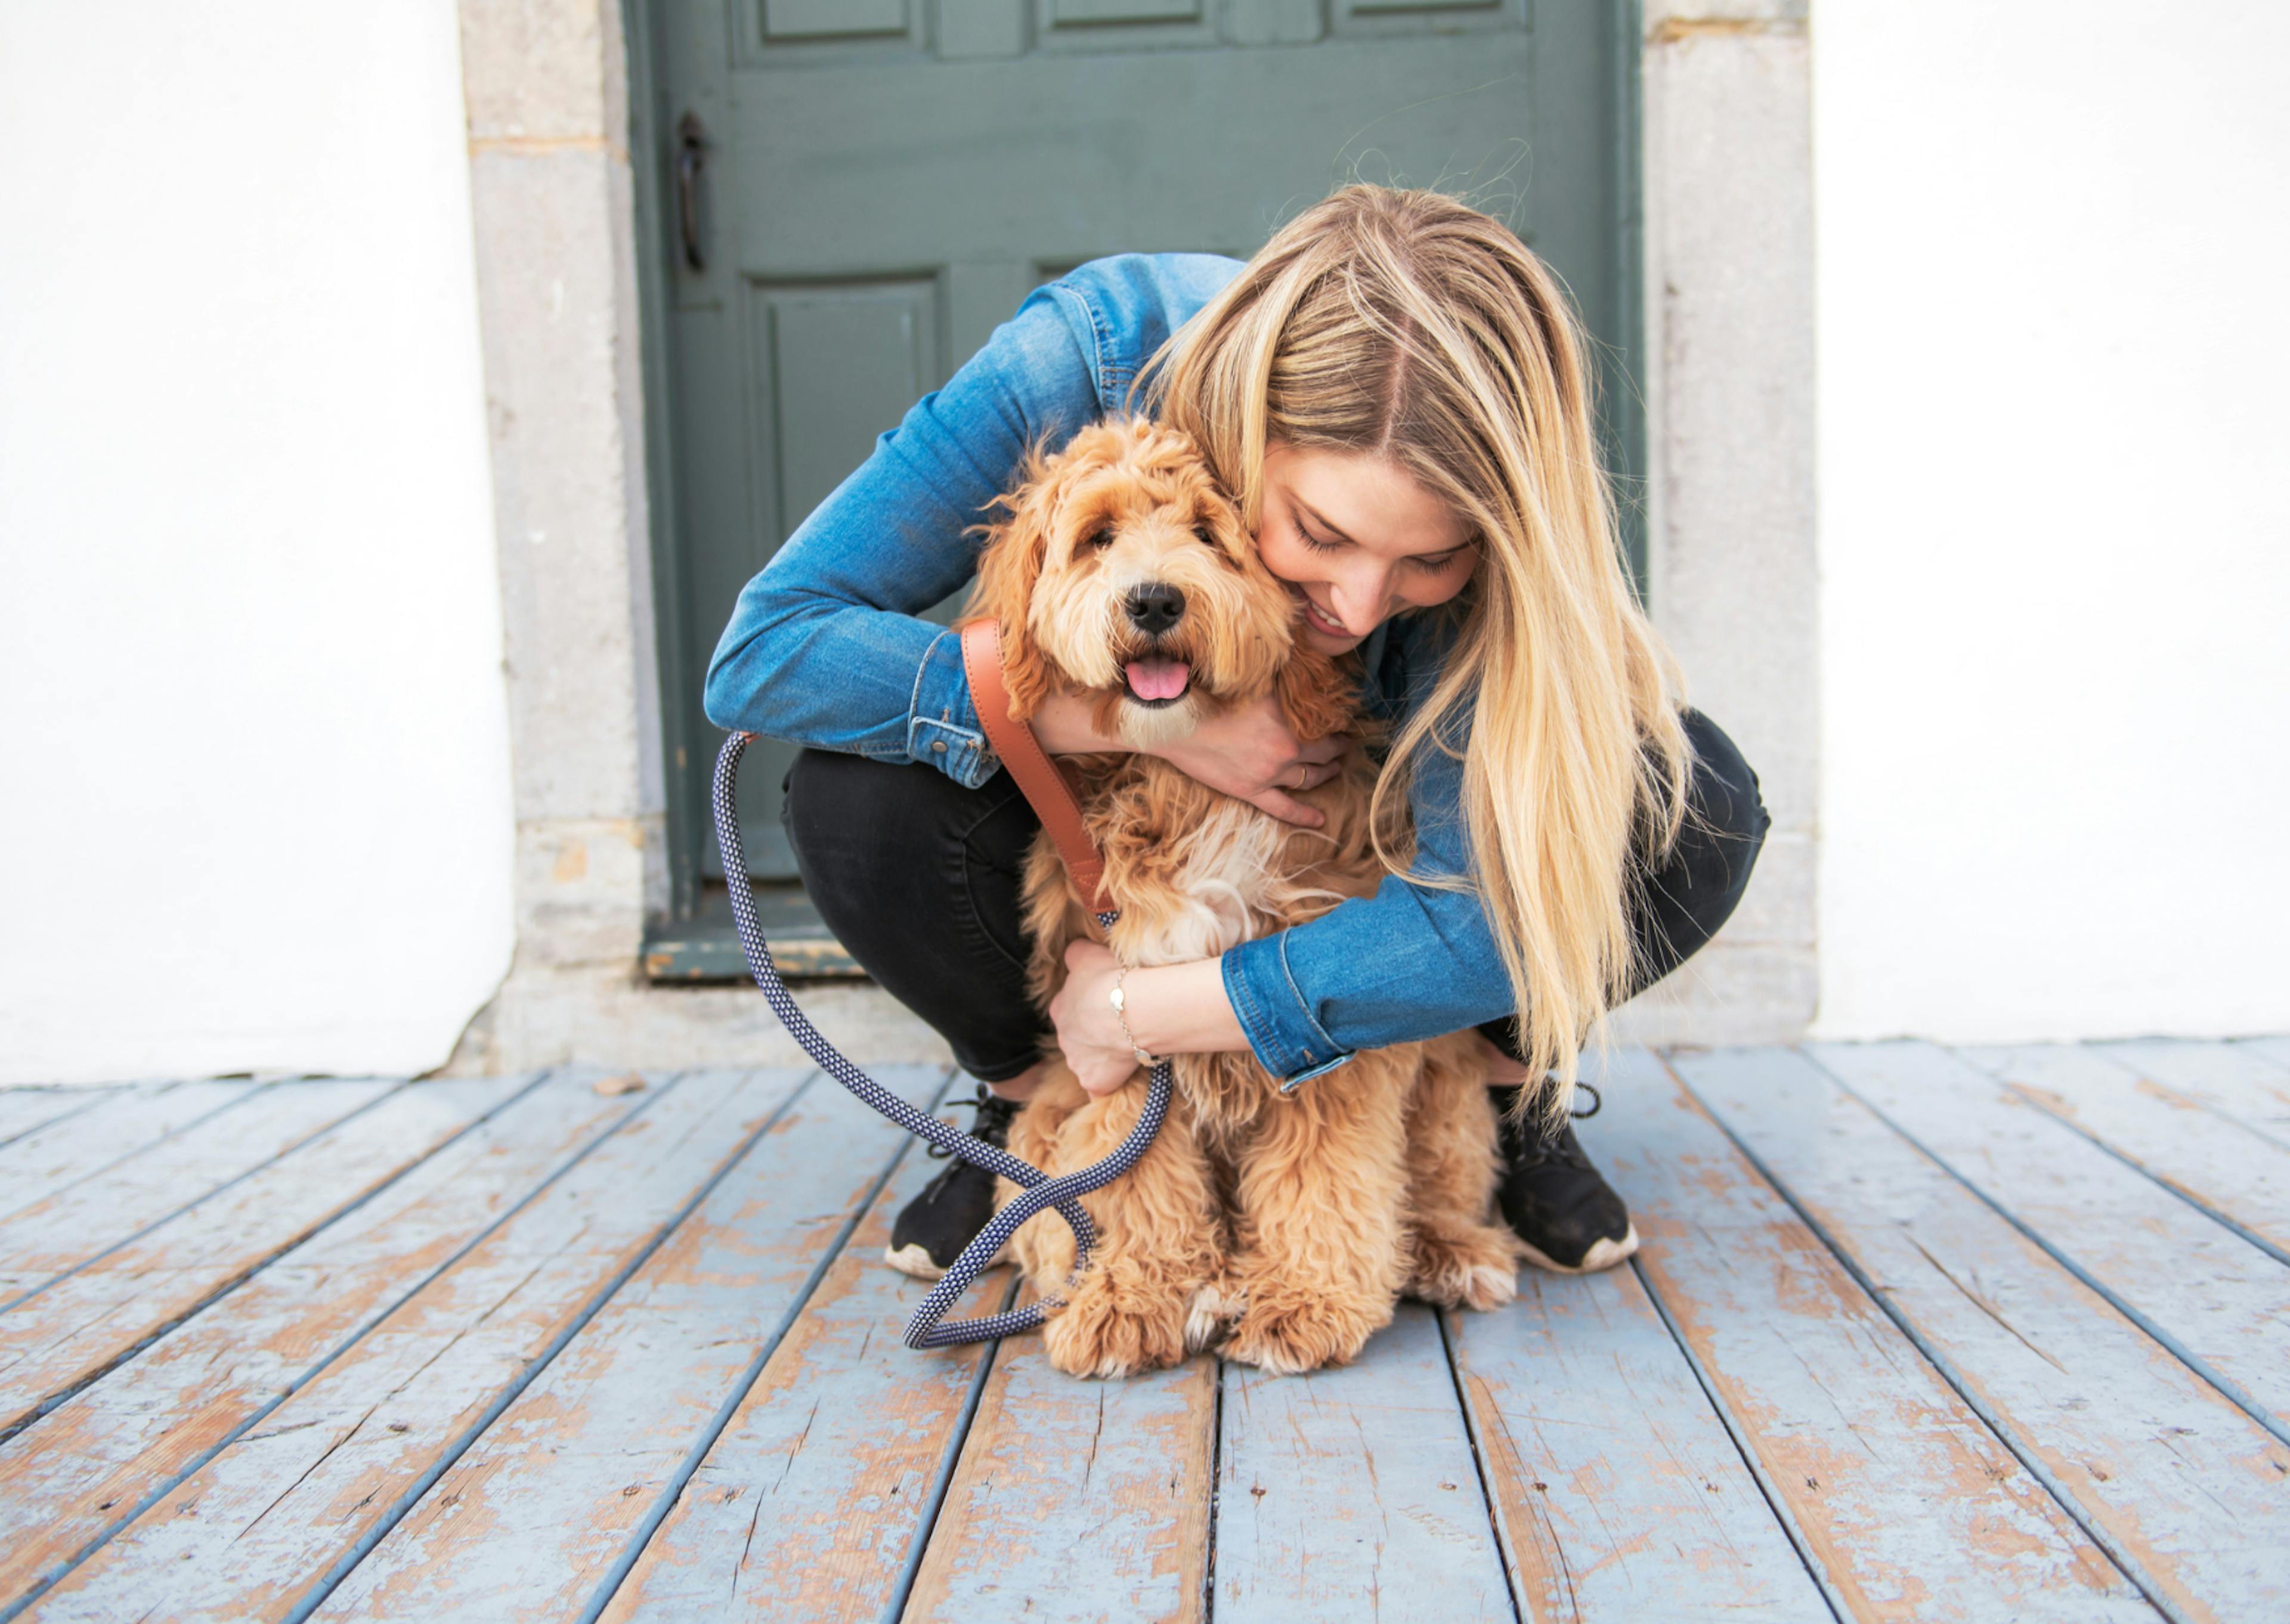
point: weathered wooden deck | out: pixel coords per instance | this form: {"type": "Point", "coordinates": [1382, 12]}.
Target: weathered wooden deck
{"type": "Point", "coordinates": [1915, 1334]}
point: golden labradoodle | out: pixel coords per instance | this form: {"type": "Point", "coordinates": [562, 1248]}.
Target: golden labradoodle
{"type": "Point", "coordinates": [1288, 1225]}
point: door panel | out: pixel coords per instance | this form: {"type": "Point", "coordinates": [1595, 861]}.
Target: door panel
{"type": "Point", "coordinates": [1064, 14]}
{"type": "Point", "coordinates": [827, 18]}
{"type": "Point", "coordinates": [884, 180]}
{"type": "Point", "coordinates": [830, 365]}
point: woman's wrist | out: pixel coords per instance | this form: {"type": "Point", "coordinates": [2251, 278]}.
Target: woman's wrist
{"type": "Point", "coordinates": [1172, 1009]}
{"type": "Point", "coordinates": [1182, 1009]}
{"type": "Point", "coordinates": [1066, 725]}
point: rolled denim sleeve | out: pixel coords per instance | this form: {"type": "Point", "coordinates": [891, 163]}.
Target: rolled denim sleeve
{"type": "Point", "coordinates": [827, 646]}
{"type": "Point", "coordinates": [1413, 961]}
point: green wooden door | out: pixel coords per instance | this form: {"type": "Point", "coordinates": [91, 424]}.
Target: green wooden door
{"type": "Point", "coordinates": [842, 198]}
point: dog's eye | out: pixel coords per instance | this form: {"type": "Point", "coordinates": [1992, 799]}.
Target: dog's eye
{"type": "Point", "coordinates": [1102, 540]}
{"type": "Point", "coordinates": [1201, 534]}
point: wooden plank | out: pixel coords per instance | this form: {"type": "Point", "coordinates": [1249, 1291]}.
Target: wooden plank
{"type": "Point", "coordinates": [27, 1109]}
{"type": "Point", "coordinates": [1074, 1501]}
{"type": "Point", "coordinates": [2194, 1285]}
{"type": "Point", "coordinates": [294, 1500]}
{"type": "Point", "coordinates": [542, 1508]}
{"type": "Point", "coordinates": [808, 1503]}
{"type": "Point", "coordinates": [61, 1231]}
{"type": "Point", "coordinates": [85, 1467]}
{"type": "Point", "coordinates": [2274, 1050]}
{"type": "Point", "coordinates": [2187, 1493]}
{"type": "Point", "coordinates": [1906, 1504]}
{"type": "Point", "coordinates": [2237, 1079]}
{"type": "Point", "coordinates": [92, 1317]}
{"type": "Point", "coordinates": [122, 1124]}
{"type": "Point", "coordinates": [2211, 1159]}
{"type": "Point", "coordinates": [1618, 1491]}
{"type": "Point", "coordinates": [1352, 1493]}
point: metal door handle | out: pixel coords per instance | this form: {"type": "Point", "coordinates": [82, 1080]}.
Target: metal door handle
{"type": "Point", "coordinates": [691, 153]}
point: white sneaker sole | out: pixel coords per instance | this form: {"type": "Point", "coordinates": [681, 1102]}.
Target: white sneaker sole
{"type": "Point", "coordinates": [914, 1259]}
{"type": "Point", "coordinates": [1604, 1253]}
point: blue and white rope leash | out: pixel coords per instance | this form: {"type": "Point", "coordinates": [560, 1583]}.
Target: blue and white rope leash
{"type": "Point", "coordinates": [1037, 1190]}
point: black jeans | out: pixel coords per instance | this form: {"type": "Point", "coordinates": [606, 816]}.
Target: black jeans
{"type": "Point", "coordinates": [918, 878]}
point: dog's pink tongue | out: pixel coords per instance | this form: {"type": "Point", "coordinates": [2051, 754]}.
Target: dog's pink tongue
{"type": "Point", "coordinates": [1159, 679]}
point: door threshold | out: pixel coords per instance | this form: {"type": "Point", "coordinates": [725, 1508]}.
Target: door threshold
{"type": "Point", "coordinates": [706, 948]}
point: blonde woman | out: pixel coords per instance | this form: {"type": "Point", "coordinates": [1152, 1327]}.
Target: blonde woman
{"type": "Point", "coordinates": [1397, 392]}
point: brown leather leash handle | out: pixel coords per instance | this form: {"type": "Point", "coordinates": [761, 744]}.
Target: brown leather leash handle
{"type": "Point", "coordinates": [1044, 787]}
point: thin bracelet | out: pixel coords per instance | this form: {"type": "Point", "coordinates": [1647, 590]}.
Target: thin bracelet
{"type": "Point", "coordinates": [1120, 1001]}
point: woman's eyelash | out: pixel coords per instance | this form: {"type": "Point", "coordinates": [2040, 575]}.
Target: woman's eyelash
{"type": "Point", "coordinates": [1430, 565]}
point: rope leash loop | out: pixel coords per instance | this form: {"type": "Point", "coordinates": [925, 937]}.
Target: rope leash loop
{"type": "Point", "coordinates": [1038, 1192]}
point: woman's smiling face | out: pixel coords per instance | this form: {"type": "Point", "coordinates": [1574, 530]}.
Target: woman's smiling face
{"type": "Point", "coordinates": [1358, 539]}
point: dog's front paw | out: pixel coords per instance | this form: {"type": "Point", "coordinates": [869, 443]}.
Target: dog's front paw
{"type": "Point", "coordinates": [1213, 1307]}
{"type": "Point", "coordinates": [1116, 1327]}
{"type": "Point", "coordinates": [1475, 1267]}
{"type": "Point", "coordinates": [1289, 1333]}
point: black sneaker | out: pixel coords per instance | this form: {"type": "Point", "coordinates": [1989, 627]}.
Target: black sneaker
{"type": "Point", "coordinates": [1564, 1210]}
{"type": "Point", "coordinates": [933, 1228]}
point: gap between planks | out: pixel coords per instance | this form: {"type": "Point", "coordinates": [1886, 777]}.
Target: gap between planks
{"type": "Point", "coordinates": [502, 1309]}
{"type": "Point", "coordinates": [49, 1161]}
{"type": "Point", "coordinates": [102, 1314]}
{"type": "Point", "coordinates": [200, 1153]}
{"type": "Point", "coordinates": [2195, 1286]}
{"type": "Point", "coordinates": [852, 1240]}
{"type": "Point", "coordinates": [2217, 1163]}
{"type": "Point", "coordinates": [26, 1111]}
{"type": "Point", "coordinates": [226, 1376]}
{"type": "Point", "coordinates": [553, 1500]}
{"type": "Point", "coordinates": [1900, 1495]}
{"type": "Point", "coordinates": [2151, 1462]}
{"type": "Point", "coordinates": [817, 1496]}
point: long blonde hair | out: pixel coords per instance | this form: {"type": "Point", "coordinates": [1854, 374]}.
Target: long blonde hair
{"type": "Point", "coordinates": [1406, 324]}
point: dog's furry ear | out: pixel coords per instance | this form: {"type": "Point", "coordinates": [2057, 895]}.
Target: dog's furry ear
{"type": "Point", "coordinates": [1008, 571]}
{"type": "Point", "coordinates": [1315, 698]}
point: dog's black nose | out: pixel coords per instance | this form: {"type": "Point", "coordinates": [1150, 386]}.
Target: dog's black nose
{"type": "Point", "coordinates": [1155, 607]}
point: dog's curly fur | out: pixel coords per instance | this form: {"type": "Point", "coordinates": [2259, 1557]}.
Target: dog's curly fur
{"type": "Point", "coordinates": [1287, 1225]}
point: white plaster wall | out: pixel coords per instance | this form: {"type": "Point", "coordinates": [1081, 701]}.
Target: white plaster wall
{"type": "Point", "coordinates": [256, 810]}
{"type": "Point", "coordinates": [2055, 487]}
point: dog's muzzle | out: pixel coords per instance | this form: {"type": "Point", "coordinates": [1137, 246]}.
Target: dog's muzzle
{"type": "Point", "coordinates": [1155, 679]}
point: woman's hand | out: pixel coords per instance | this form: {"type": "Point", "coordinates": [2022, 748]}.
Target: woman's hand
{"type": "Point", "coordinates": [1088, 1031]}
{"type": "Point", "coordinates": [1249, 754]}
{"type": "Point", "coordinates": [1173, 1009]}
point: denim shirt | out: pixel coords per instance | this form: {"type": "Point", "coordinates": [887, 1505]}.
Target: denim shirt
{"type": "Point", "coordinates": [827, 648]}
